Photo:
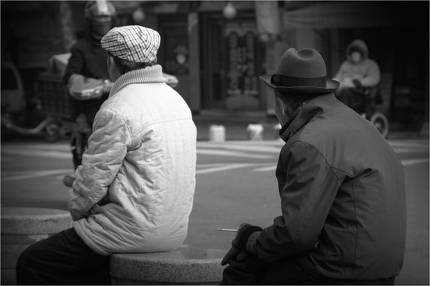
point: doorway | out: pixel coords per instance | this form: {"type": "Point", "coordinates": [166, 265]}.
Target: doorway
{"type": "Point", "coordinates": [231, 61]}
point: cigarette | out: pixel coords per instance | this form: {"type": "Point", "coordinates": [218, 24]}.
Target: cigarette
{"type": "Point", "coordinates": [227, 229]}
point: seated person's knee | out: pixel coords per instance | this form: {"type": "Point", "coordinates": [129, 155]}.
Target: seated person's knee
{"type": "Point", "coordinates": [24, 261]}
{"type": "Point", "coordinates": [31, 255]}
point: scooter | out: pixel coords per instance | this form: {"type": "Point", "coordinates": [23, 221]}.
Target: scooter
{"type": "Point", "coordinates": [55, 124]}
{"type": "Point", "coordinates": [378, 119]}
{"type": "Point", "coordinates": [371, 97]}
{"type": "Point", "coordinates": [14, 105]}
{"type": "Point", "coordinates": [48, 128]}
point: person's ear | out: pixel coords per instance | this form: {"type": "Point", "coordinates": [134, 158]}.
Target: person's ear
{"type": "Point", "coordinates": [108, 62]}
{"type": "Point", "coordinates": [112, 68]}
{"type": "Point", "coordinates": [280, 105]}
{"type": "Point", "coordinates": [280, 110]}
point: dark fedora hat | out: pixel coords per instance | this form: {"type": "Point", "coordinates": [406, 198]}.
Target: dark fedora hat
{"type": "Point", "coordinates": [302, 72]}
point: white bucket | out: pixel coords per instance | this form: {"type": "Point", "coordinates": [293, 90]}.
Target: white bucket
{"type": "Point", "coordinates": [255, 131]}
{"type": "Point", "coordinates": [216, 133]}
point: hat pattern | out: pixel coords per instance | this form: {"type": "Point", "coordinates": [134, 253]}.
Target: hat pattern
{"type": "Point", "coordinates": [132, 43]}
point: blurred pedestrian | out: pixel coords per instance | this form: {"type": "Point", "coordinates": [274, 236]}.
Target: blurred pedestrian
{"type": "Point", "coordinates": [341, 188]}
{"type": "Point", "coordinates": [86, 74]}
{"type": "Point", "coordinates": [357, 75]}
{"type": "Point", "coordinates": [134, 190]}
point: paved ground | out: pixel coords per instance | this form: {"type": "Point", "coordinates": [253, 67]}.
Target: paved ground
{"type": "Point", "coordinates": [235, 183]}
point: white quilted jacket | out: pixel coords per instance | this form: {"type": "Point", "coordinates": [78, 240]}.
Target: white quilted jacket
{"type": "Point", "coordinates": [134, 190]}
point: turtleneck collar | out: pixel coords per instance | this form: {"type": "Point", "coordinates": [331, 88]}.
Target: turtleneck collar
{"type": "Point", "coordinates": [152, 74]}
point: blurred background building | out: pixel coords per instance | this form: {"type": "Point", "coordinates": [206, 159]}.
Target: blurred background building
{"type": "Point", "coordinates": [217, 49]}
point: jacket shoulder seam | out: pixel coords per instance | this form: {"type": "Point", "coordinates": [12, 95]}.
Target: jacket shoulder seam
{"type": "Point", "coordinates": [117, 115]}
{"type": "Point", "coordinates": [333, 168]}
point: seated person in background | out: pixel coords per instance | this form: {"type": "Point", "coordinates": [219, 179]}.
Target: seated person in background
{"type": "Point", "coordinates": [357, 74]}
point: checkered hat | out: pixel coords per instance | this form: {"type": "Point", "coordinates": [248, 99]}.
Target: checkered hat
{"type": "Point", "coordinates": [132, 43]}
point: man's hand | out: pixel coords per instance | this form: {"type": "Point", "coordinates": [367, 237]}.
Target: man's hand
{"type": "Point", "coordinates": [231, 255]}
{"type": "Point", "coordinates": [239, 242]}
{"type": "Point", "coordinates": [68, 180]}
{"type": "Point", "coordinates": [234, 254]}
{"type": "Point", "coordinates": [75, 215]}
{"type": "Point", "coordinates": [107, 86]}
{"type": "Point", "coordinates": [357, 83]}
{"type": "Point", "coordinates": [347, 82]}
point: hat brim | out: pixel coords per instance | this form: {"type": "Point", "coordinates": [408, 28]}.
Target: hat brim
{"type": "Point", "coordinates": [331, 85]}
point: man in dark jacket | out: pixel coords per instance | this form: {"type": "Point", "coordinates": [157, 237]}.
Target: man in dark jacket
{"type": "Point", "coordinates": [86, 74]}
{"type": "Point", "coordinates": [341, 188]}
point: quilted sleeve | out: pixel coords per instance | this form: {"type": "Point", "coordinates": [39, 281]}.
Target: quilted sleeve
{"type": "Point", "coordinates": [107, 148]}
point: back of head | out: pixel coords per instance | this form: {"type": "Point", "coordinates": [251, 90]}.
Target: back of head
{"type": "Point", "coordinates": [132, 47]}
{"type": "Point", "coordinates": [294, 100]}
{"type": "Point", "coordinates": [125, 66]}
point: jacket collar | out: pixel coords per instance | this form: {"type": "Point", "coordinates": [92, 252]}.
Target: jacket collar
{"type": "Point", "coordinates": [305, 113]}
{"type": "Point", "coordinates": [152, 74]}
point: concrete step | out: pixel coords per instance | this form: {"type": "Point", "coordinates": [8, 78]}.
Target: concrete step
{"type": "Point", "coordinates": [186, 265]}
{"type": "Point", "coordinates": [21, 227]}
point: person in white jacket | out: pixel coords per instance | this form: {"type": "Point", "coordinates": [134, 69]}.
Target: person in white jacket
{"type": "Point", "coordinates": [357, 76]}
{"type": "Point", "coordinates": [134, 190]}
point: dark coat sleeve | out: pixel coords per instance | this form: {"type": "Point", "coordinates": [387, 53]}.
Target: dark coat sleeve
{"type": "Point", "coordinates": [75, 64]}
{"type": "Point", "coordinates": [307, 186]}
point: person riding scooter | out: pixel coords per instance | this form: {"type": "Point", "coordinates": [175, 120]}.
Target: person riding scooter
{"type": "Point", "coordinates": [86, 74]}
{"type": "Point", "coordinates": [358, 76]}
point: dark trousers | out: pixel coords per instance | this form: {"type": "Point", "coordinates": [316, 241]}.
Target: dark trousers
{"type": "Point", "coordinates": [62, 259]}
{"type": "Point", "coordinates": [84, 114]}
{"type": "Point", "coordinates": [252, 271]}
{"type": "Point", "coordinates": [78, 145]}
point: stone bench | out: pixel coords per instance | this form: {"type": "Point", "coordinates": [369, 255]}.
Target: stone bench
{"type": "Point", "coordinates": [186, 265]}
{"type": "Point", "coordinates": [21, 227]}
